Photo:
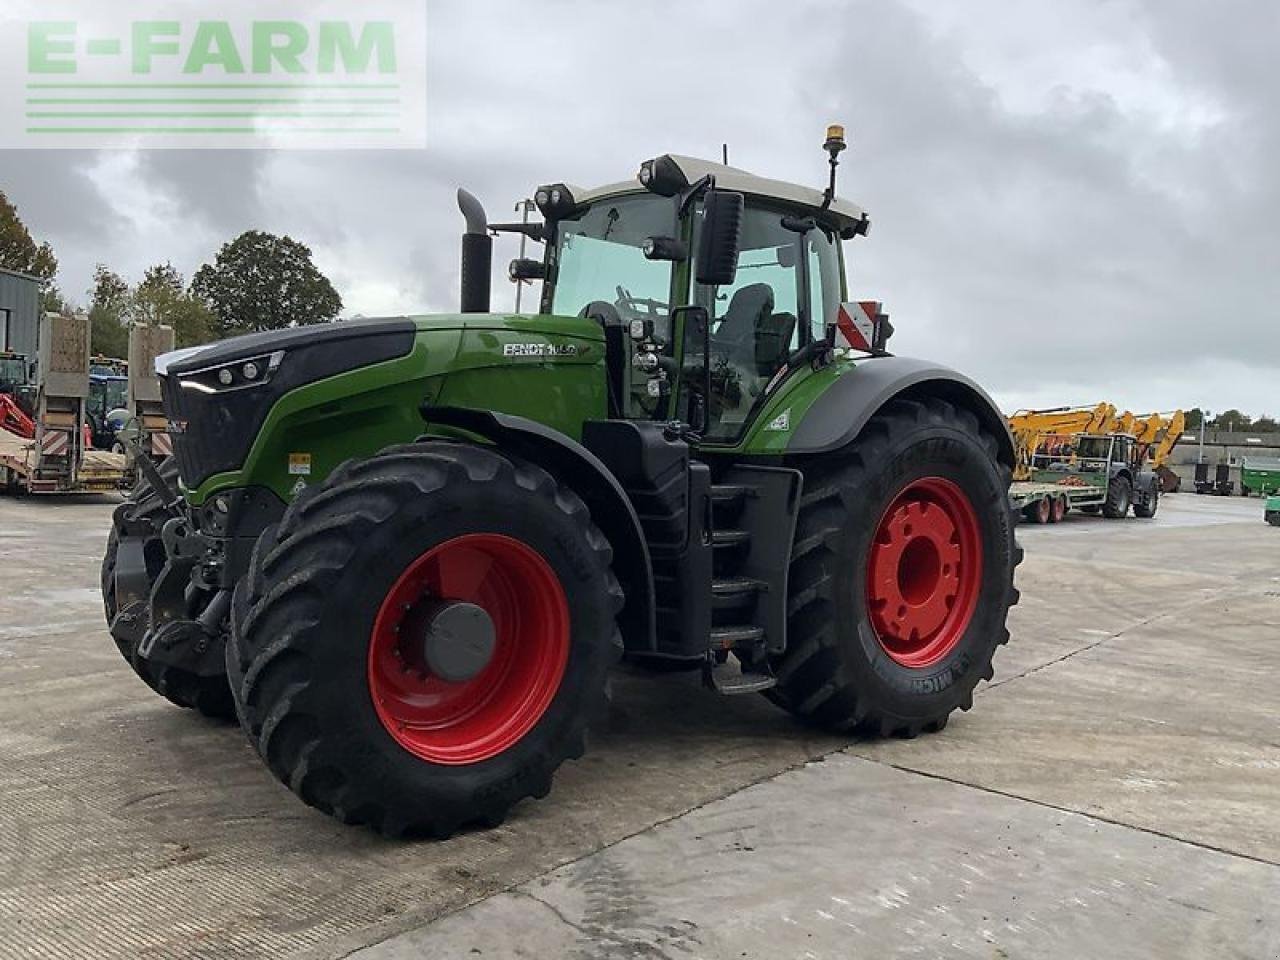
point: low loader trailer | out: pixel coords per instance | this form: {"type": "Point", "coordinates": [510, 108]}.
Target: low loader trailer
{"type": "Point", "coordinates": [1050, 502]}
{"type": "Point", "coordinates": [54, 455]}
{"type": "Point", "coordinates": [1092, 474]}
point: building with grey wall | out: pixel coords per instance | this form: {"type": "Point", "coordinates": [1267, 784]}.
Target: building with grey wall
{"type": "Point", "coordinates": [19, 313]}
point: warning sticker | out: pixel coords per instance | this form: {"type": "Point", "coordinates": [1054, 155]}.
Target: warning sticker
{"type": "Point", "coordinates": [299, 464]}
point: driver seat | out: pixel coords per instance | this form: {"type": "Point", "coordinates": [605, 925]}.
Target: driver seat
{"type": "Point", "coordinates": [750, 308]}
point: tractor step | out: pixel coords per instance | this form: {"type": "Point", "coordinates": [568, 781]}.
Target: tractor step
{"type": "Point", "coordinates": [727, 679]}
{"type": "Point", "coordinates": [728, 494]}
{"type": "Point", "coordinates": [728, 638]}
{"type": "Point", "coordinates": [732, 593]}
{"type": "Point", "coordinates": [730, 538]}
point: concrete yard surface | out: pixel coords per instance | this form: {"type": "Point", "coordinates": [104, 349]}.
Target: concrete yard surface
{"type": "Point", "coordinates": [1114, 793]}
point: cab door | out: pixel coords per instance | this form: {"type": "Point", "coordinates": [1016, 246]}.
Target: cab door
{"type": "Point", "coordinates": [786, 290]}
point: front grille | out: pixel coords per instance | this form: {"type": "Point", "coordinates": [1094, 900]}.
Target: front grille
{"type": "Point", "coordinates": [212, 433]}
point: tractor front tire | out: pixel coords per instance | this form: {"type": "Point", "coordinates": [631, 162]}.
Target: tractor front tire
{"type": "Point", "coordinates": [355, 695]}
{"type": "Point", "coordinates": [1147, 508]}
{"type": "Point", "coordinates": [901, 575]}
{"type": "Point", "coordinates": [207, 695]}
{"type": "Point", "coordinates": [1119, 498]}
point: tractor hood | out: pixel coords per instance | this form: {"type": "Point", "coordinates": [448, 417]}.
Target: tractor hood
{"type": "Point", "coordinates": [217, 397]}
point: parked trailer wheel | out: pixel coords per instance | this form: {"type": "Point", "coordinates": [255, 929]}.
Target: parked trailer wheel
{"type": "Point", "coordinates": [453, 675]}
{"type": "Point", "coordinates": [1044, 510]}
{"type": "Point", "coordinates": [901, 575]}
{"type": "Point", "coordinates": [207, 695]}
{"type": "Point", "coordinates": [1059, 509]}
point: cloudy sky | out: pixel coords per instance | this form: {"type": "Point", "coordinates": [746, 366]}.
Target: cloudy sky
{"type": "Point", "coordinates": [1070, 201]}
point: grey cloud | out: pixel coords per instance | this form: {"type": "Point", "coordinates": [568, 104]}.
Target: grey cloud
{"type": "Point", "coordinates": [1095, 241]}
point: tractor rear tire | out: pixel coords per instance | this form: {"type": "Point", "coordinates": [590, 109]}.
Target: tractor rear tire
{"type": "Point", "coordinates": [1119, 499]}
{"type": "Point", "coordinates": [1147, 509]}
{"type": "Point", "coordinates": [353, 714]}
{"type": "Point", "coordinates": [207, 695]}
{"type": "Point", "coordinates": [853, 663]}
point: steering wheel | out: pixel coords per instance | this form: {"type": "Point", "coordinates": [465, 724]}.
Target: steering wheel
{"type": "Point", "coordinates": [640, 308]}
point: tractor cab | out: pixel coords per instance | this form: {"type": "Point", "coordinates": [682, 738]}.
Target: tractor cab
{"type": "Point", "coordinates": [15, 381]}
{"type": "Point", "coordinates": [710, 284]}
{"type": "Point", "coordinates": [107, 410]}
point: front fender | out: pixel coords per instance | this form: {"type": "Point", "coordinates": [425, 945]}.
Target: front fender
{"type": "Point", "coordinates": [836, 418]}
{"type": "Point", "coordinates": [582, 471]}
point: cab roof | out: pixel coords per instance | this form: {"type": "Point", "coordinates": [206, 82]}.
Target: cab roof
{"type": "Point", "coordinates": [844, 212]}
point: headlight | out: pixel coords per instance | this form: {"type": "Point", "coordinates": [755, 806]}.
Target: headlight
{"type": "Point", "coordinates": [236, 375]}
{"type": "Point", "coordinates": [554, 201]}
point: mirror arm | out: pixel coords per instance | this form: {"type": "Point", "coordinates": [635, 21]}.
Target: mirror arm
{"type": "Point", "coordinates": [534, 231]}
{"type": "Point", "coordinates": [706, 183]}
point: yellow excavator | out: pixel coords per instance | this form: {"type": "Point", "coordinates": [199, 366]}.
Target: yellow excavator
{"type": "Point", "coordinates": [1033, 428]}
{"type": "Point", "coordinates": [1158, 434]}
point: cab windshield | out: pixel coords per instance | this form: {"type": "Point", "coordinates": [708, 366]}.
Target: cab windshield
{"type": "Point", "coordinates": [601, 261]}
{"type": "Point", "coordinates": [117, 394]}
{"type": "Point", "coordinates": [13, 370]}
{"type": "Point", "coordinates": [1093, 448]}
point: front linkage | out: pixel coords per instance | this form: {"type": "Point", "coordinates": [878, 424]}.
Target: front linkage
{"type": "Point", "coordinates": [165, 593]}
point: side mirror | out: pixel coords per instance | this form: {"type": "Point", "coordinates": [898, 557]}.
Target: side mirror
{"type": "Point", "coordinates": [721, 238]}
{"type": "Point", "coordinates": [526, 269]}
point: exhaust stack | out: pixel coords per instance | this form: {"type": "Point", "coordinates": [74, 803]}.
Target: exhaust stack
{"type": "Point", "coordinates": [477, 256]}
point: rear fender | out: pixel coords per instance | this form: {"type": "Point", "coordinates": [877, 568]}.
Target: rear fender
{"type": "Point", "coordinates": [837, 418]}
{"type": "Point", "coordinates": [581, 470]}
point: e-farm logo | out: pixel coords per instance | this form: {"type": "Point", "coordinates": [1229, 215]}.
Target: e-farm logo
{"type": "Point", "coordinates": [195, 73]}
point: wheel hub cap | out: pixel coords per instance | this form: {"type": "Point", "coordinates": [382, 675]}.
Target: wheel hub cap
{"type": "Point", "coordinates": [459, 642]}
{"type": "Point", "coordinates": [924, 572]}
{"type": "Point", "coordinates": [468, 648]}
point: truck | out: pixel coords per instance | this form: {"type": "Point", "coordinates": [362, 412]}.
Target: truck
{"type": "Point", "coordinates": [406, 552]}
{"type": "Point", "coordinates": [1104, 474]}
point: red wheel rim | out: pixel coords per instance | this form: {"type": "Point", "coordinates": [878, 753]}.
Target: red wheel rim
{"type": "Point", "coordinates": [924, 572]}
{"type": "Point", "coordinates": [1059, 508]}
{"type": "Point", "coordinates": [471, 720]}
{"type": "Point", "coordinates": [1044, 510]}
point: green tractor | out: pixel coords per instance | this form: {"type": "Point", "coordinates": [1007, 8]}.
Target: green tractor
{"type": "Point", "coordinates": [406, 552]}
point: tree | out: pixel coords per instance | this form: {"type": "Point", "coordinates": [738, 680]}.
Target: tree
{"type": "Point", "coordinates": [108, 303]}
{"type": "Point", "coordinates": [52, 301]}
{"type": "Point", "coordinates": [1265, 424]}
{"type": "Point", "coordinates": [109, 291]}
{"type": "Point", "coordinates": [107, 336]}
{"type": "Point", "coordinates": [264, 282]}
{"type": "Point", "coordinates": [18, 251]}
{"type": "Point", "coordinates": [162, 298]}
{"type": "Point", "coordinates": [1195, 416]}
{"type": "Point", "coordinates": [1231, 420]}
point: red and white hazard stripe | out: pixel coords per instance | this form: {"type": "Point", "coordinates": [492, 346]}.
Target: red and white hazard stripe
{"type": "Point", "coordinates": [55, 443]}
{"type": "Point", "coordinates": [855, 327]}
{"type": "Point", "coordinates": [161, 445]}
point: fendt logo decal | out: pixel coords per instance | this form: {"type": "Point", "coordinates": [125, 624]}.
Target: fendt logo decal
{"type": "Point", "coordinates": [549, 351]}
